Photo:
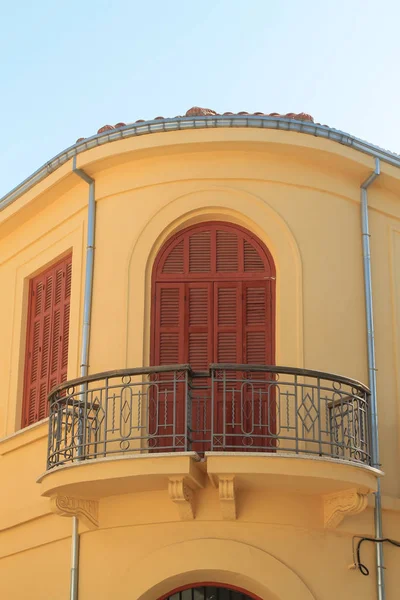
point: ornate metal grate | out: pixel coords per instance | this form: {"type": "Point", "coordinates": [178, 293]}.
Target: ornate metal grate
{"type": "Point", "coordinates": [208, 592]}
{"type": "Point", "coordinates": [228, 408]}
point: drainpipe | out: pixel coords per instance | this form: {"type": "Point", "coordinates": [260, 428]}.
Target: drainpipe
{"type": "Point", "coordinates": [87, 309]}
{"type": "Point", "coordinates": [380, 573]}
{"type": "Point", "coordinates": [87, 305]}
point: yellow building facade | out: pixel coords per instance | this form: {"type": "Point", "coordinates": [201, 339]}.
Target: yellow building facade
{"type": "Point", "coordinates": [172, 469]}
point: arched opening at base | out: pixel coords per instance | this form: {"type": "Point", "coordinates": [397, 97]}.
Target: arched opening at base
{"type": "Point", "coordinates": [225, 564]}
{"type": "Point", "coordinates": [209, 591]}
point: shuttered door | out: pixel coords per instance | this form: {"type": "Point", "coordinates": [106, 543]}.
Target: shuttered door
{"type": "Point", "coordinates": [47, 338]}
{"type": "Point", "coordinates": [224, 311]}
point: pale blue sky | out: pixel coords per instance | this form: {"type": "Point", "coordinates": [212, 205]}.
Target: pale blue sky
{"type": "Point", "coordinates": [67, 68]}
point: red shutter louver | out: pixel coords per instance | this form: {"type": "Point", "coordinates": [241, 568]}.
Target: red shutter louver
{"type": "Point", "coordinates": [47, 338]}
{"type": "Point", "coordinates": [227, 251]}
{"type": "Point", "coordinates": [169, 324]}
{"type": "Point", "coordinates": [174, 261]}
{"type": "Point", "coordinates": [255, 323]}
{"type": "Point", "coordinates": [227, 322]}
{"type": "Point", "coordinates": [253, 262]}
{"type": "Point", "coordinates": [200, 252]}
{"type": "Point", "coordinates": [199, 325]}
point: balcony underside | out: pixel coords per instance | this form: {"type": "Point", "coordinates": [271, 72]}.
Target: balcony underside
{"type": "Point", "coordinates": [236, 426]}
{"type": "Point", "coordinates": [185, 474]}
{"type": "Point", "coordinates": [126, 474]}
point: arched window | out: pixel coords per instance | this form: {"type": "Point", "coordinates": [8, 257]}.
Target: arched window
{"type": "Point", "coordinates": [213, 298]}
{"type": "Point", "coordinates": [209, 592]}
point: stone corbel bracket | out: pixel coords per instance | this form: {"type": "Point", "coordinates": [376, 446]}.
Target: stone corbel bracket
{"type": "Point", "coordinates": [87, 511]}
{"type": "Point", "coordinates": [227, 497]}
{"type": "Point", "coordinates": [339, 505]}
{"type": "Point", "coordinates": [183, 496]}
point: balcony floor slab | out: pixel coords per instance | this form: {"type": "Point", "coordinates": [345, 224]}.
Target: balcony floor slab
{"type": "Point", "coordinates": [115, 475]}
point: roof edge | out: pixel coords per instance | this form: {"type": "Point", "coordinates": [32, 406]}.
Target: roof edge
{"type": "Point", "coordinates": [198, 122]}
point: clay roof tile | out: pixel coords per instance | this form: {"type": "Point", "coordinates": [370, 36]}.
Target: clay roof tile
{"type": "Point", "coordinates": [105, 128]}
{"type": "Point", "coordinates": [197, 111]}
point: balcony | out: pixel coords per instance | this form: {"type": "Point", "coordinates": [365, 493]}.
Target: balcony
{"type": "Point", "coordinates": [264, 426]}
{"type": "Point", "coordinates": [233, 408]}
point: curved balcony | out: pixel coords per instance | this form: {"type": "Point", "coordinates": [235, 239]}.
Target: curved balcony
{"type": "Point", "coordinates": [242, 425]}
{"type": "Point", "coordinates": [231, 408]}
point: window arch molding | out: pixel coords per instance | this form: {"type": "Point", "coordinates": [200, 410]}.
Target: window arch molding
{"type": "Point", "coordinates": [216, 559]}
{"type": "Point", "coordinates": [222, 204]}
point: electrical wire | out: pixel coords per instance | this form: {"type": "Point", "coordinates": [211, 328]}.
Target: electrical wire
{"type": "Point", "coordinates": [357, 552]}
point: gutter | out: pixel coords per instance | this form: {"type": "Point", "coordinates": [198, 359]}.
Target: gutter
{"type": "Point", "coordinates": [182, 123]}
{"type": "Point", "coordinates": [380, 572]}
{"type": "Point", "coordinates": [84, 367]}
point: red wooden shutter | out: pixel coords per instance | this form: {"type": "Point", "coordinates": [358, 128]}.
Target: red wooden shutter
{"type": "Point", "coordinates": [198, 306]}
{"type": "Point", "coordinates": [256, 323]}
{"type": "Point", "coordinates": [59, 338]}
{"type": "Point", "coordinates": [227, 323]}
{"type": "Point", "coordinates": [47, 338]}
{"type": "Point", "coordinates": [198, 315]}
{"type": "Point", "coordinates": [169, 329]}
{"type": "Point", "coordinates": [167, 412]}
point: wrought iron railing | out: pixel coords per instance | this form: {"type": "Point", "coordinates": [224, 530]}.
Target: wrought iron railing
{"type": "Point", "coordinates": [232, 408]}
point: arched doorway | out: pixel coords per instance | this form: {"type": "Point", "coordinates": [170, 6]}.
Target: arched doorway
{"type": "Point", "coordinates": [208, 591]}
{"type": "Point", "coordinates": [213, 302]}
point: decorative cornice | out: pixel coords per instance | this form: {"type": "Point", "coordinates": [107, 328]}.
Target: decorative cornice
{"type": "Point", "coordinates": [86, 510]}
{"type": "Point", "coordinates": [227, 497]}
{"type": "Point", "coordinates": [343, 504]}
{"type": "Point", "coordinates": [300, 123]}
{"type": "Point", "coordinates": [182, 495]}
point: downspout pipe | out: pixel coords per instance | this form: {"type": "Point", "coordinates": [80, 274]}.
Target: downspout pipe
{"type": "Point", "coordinates": [84, 366]}
{"type": "Point", "coordinates": [380, 573]}
{"type": "Point", "coordinates": [87, 303]}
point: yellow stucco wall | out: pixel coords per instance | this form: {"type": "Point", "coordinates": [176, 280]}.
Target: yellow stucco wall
{"type": "Point", "coordinates": [300, 195]}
